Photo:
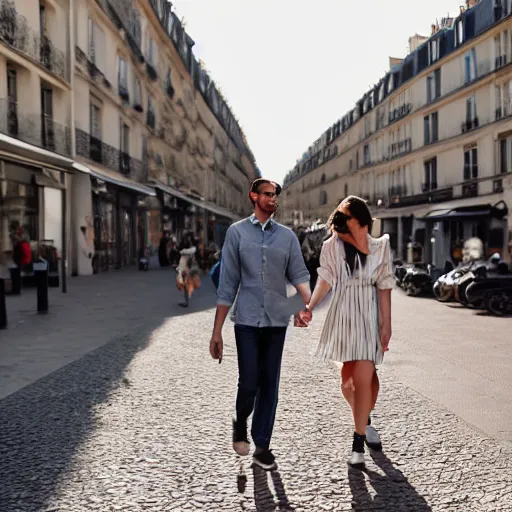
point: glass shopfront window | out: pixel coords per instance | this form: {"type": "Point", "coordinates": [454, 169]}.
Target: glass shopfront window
{"type": "Point", "coordinates": [19, 215]}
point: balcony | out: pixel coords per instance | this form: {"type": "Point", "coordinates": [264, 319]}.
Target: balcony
{"type": "Point", "coordinates": [15, 32]}
{"type": "Point", "coordinates": [124, 163]}
{"type": "Point", "coordinates": [399, 113]}
{"type": "Point", "coordinates": [96, 150]}
{"type": "Point", "coordinates": [395, 195]}
{"type": "Point", "coordinates": [500, 61]}
{"type": "Point", "coordinates": [501, 112]}
{"type": "Point", "coordinates": [430, 194]}
{"type": "Point", "coordinates": [470, 189]}
{"type": "Point", "coordinates": [35, 129]}
{"type": "Point", "coordinates": [94, 72]}
{"type": "Point", "coordinates": [151, 71]}
{"type": "Point", "coordinates": [400, 148]}
{"type": "Point", "coordinates": [470, 124]}
{"type": "Point", "coordinates": [123, 92]}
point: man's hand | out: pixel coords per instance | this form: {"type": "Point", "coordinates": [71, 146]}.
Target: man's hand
{"type": "Point", "coordinates": [385, 336]}
{"type": "Point", "coordinates": [217, 347]}
{"type": "Point", "coordinates": [302, 318]}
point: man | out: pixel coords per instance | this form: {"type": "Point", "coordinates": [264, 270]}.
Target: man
{"type": "Point", "coordinates": [258, 257]}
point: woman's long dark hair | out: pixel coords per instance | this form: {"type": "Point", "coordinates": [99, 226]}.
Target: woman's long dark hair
{"type": "Point", "coordinates": [358, 208]}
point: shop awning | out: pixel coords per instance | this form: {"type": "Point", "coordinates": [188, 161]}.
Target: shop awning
{"type": "Point", "coordinates": [36, 155]}
{"type": "Point", "coordinates": [115, 179]}
{"type": "Point", "coordinates": [211, 207]}
{"type": "Point", "coordinates": [458, 213]}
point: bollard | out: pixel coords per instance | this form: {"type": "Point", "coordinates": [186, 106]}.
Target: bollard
{"type": "Point", "coordinates": [15, 272]}
{"type": "Point", "coordinates": [41, 277]}
{"type": "Point", "coordinates": [3, 309]}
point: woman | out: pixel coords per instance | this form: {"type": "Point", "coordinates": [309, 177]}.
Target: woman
{"type": "Point", "coordinates": [187, 272]}
{"type": "Point", "coordinates": [357, 327]}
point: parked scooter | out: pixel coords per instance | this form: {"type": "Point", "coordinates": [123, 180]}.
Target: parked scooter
{"type": "Point", "coordinates": [417, 279]}
{"type": "Point", "coordinates": [494, 290]}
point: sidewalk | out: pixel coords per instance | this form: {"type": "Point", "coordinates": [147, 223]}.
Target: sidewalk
{"type": "Point", "coordinates": [96, 310]}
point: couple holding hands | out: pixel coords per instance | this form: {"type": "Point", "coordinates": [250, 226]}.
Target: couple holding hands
{"type": "Point", "coordinates": [259, 257]}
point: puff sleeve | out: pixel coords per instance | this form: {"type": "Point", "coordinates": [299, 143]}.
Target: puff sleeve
{"type": "Point", "coordinates": [328, 270]}
{"type": "Point", "coordinates": [385, 276]}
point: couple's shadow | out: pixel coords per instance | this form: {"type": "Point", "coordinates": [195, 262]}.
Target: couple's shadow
{"type": "Point", "coordinates": [264, 498]}
{"type": "Point", "coordinates": [392, 489]}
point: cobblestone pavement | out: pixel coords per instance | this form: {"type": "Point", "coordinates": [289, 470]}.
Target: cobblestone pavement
{"type": "Point", "coordinates": [143, 424]}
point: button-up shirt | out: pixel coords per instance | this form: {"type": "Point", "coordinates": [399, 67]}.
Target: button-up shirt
{"type": "Point", "coordinates": [257, 262]}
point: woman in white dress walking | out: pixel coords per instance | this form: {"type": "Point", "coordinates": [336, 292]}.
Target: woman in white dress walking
{"type": "Point", "coordinates": [357, 329]}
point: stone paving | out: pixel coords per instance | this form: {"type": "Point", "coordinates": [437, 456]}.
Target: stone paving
{"type": "Point", "coordinates": [142, 423]}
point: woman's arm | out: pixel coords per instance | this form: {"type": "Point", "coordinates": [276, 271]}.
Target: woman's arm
{"type": "Point", "coordinates": [384, 298]}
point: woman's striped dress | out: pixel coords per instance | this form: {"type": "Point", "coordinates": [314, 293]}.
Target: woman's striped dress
{"type": "Point", "coordinates": [351, 329]}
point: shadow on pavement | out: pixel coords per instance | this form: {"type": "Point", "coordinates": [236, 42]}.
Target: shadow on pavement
{"type": "Point", "coordinates": [44, 425]}
{"type": "Point", "coordinates": [263, 497]}
{"type": "Point", "coordinates": [392, 490]}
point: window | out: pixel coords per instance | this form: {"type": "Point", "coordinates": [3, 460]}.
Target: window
{"type": "Point", "coordinates": [470, 109]}
{"type": "Point", "coordinates": [501, 44]}
{"type": "Point", "coordinates": [503, 100]}
{"type": "Point", "coordinates": [42, 19]}
{"type": "Point", "coordinates": [151, 113]}
{"type": "Point", "coordinates": [12, 102]}
{"type": "Point", "coordinates": [470, 163]}
{"type": "Point", "coordinates": [366, 154]}
{"type": "Point", "coordinates": [459, 33]}
{"type": "Point", "coordinates": [96, 44]}
{"type": "Point", "coordinates": [470, 66]}
{"type": "Point", "coordinates": [124, 143]}
{"type": "Point", "coordinates": [323, 197]}
{"type": "Point", "coordinates": [433, 51]}
{"type": "Point", "coordinates": [122, 74]}
{"type": "Point", "coordinates": [434, 85]}
{"type": "Point", "coordinates": [137, 100]}
{"type": "Point", "coordinates": [151, 53]}
{"type": "Point", "coordinates": [430, 168]}
{"type": "Point", "coordinates": [95, 120]}
{"type": "Point", "coordinates": [505, 154]}
{"type": "Point", "coordinates": [431, 128]}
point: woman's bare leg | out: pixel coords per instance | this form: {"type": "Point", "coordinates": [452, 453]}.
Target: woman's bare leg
{"type": "Point", "coordinates": [363, 376]}
{"type": "Point", "coordinates": [375, 389]}
{"type": "Point", "coordinates": [347, 383]}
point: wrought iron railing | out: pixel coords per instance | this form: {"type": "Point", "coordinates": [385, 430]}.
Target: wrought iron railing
{"type": "Point", "coordinates": [96, 150]}
{"type": "Point", "coordinates": [40, 130]}
{"type": "Point", "coordinates": [15, 32]}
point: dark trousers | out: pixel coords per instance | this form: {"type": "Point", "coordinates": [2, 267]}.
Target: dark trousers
{"type": "Point", "coordinates": [260, 352]}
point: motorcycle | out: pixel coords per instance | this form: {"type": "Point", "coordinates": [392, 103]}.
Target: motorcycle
{"type": "Point", "coordinates": [495, 291]}
{"type": "Point", "coordinates": [417, 279]}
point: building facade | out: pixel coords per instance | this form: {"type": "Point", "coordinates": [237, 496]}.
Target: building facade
{"type": "Point", "coordinates": [111, 132]}
{"type": "Point", "coordinates": [35, 128]}
{"type": "Point", "coordinates": [430, 146]}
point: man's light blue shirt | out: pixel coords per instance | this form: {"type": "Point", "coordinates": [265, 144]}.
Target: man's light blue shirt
{"type": "Point", "coordinates": [258, 260]}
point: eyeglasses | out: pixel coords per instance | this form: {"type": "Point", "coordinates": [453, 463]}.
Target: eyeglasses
{"type": "Point", "coordinates": [269, 194]}
{"type": "Point", "coordinates": [340, 215]}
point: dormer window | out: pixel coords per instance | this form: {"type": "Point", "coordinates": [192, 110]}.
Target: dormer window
{"type": "Point", "coordinates": [459, 32]}
{"type": "Point", "coordinates": [433, 51]}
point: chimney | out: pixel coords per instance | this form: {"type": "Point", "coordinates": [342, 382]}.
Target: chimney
{"type": "Point", "coordinates": [471, 3]}
{"type": "Point", "coordinates": [393, 61]}
{"type": "Point", "coordinates": [433, 29]}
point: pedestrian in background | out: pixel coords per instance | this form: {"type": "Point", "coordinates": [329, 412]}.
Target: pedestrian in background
{"type": "Point", "coordinates": [357, 327]}
{"type": "Point", "coordinates": [188, 277]}
{"type": "Point", "coordinates": [258, 257]}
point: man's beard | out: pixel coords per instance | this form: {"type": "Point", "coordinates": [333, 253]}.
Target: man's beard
{"type": "Point", "coordinates": [267, 209]}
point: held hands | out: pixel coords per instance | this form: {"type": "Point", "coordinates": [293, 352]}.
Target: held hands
{"type": "Point", "coordinates": [217, 347]}
{"type": "Point", "coordinates": [385, 336]}
{"type": "Point", "coordinates": [303, 318]}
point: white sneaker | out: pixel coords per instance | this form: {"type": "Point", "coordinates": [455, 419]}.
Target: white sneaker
{"type": "Point", "coordinates": [373, 439]}
{"type": "Point", "coordinates": [356, 460]}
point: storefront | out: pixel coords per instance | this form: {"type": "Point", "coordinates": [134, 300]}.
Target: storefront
{"type": "Point", "coordinates": [118, 209]}
{"type": "Point", "coordinates": [32, 210]}
{"type": "Point", "coordinates": [182, 213]}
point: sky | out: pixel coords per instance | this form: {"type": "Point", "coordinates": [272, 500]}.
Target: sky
{"type": "Point", "coordinates": [290, 69]}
